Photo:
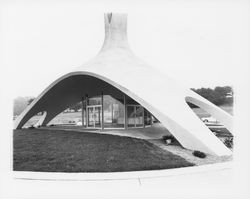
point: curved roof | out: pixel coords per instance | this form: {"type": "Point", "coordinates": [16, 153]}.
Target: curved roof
{"type": "Point", "coordinates": [116, 70]}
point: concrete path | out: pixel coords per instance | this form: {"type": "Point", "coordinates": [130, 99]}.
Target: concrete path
{"type": "Point", "coordinates": [152, 132]}
{"type": "Point", "coordinates": [187, 154]}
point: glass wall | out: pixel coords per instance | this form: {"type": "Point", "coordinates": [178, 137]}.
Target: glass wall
{"type": "Point", "coordinates": [113, 112]}
{"type": "Point", "coordinates": [139, 116]}
{"type": "Point", "coordinates": [131, 116]}
{"type": "Point", "coordinates": [135, 115]}
{"type": "Point", "coordinates": [95, 101]}
{"type": "Point", "coordinates": [147, 117]}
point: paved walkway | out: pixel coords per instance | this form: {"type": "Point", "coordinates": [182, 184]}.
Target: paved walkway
{"type": "Point", "coordinates": [187, 154]}
{"type": "Point", "coordinates": [152, 132]}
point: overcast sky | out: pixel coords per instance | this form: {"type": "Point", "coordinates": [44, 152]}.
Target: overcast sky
{"type": "Point", "coordinates": [201, 44]}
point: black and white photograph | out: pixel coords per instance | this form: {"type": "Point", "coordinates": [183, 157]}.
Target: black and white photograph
{"type": "Point", "coordinates": [136, 99]}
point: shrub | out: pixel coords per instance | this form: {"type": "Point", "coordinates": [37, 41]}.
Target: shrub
{"type": "Point", "coordinates": [229, 142]}
{"type": "Point", "coordinates": [199, 154]}
{"type": "Point", "coordinates": [167, 137]}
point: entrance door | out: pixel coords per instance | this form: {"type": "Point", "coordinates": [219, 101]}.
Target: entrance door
{"type": "Point", "coordinates": [94, 116]}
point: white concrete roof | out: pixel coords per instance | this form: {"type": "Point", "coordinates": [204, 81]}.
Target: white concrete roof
{"type": "Point", "coordinates": [117, 70]}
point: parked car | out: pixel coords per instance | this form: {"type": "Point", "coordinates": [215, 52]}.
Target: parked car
{"type": "Point", "coordinates": [209, 120]}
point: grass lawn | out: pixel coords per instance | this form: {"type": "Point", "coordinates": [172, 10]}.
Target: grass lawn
{"type": "Point", "coordinates": [70, 151]}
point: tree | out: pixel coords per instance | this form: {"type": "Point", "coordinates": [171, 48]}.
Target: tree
{"type": "Point", "coordinates": [76, 106]}
{"type": "Point", "coordinates": [30, 101]}
{"type": "Point", "coordinates": [20, 103]}
{"type": "Point", "coordinates": [218, 95]}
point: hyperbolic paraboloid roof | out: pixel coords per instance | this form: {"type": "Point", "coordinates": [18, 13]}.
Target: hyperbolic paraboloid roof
{"type": "Point", "coordinates": [117, 70]}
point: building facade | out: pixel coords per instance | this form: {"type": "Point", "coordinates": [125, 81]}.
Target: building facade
{"type": "Point", "coordinates": [107, 112]}
{"type": "Point", "coordinates": [119, 90]}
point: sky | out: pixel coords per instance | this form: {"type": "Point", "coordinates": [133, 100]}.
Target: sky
{"type": "Point", "coordinates": [198, 43]}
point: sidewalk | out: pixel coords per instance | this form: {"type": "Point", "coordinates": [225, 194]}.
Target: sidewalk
{"type": "Point", "coordinates": [152, 132]}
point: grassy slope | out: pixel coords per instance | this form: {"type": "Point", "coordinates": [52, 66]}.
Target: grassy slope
{"type": "Point", "coordinates": [45, 150]}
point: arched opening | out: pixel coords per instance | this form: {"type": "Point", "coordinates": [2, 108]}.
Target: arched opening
{"type": "Point", "coordinates": [212, 120]}
{"type": "Point", "coordinates": [35, 120]}
{"type": "Point", "coordinates": [68, 117]}
{"type": "Point", "coordinates": [87, 101]}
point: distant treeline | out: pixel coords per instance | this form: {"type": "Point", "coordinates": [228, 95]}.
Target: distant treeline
{"type": "Point", "coordinates": [218, 95]}
{"type": "Point", "coordinates": [20, 103]}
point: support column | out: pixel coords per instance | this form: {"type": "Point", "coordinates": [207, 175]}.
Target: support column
{"type": "Point", "coordinates": [83, 112]}
{"type": "Point", "coordinates": [151, 120]}
{"type": "Point", "coordinates": [112, 113]}
{"type": "Point", "coordinates": [102, 112]}
{"type": "Point", "coordinates": [125, 112]}
{"type": "Point", "coordinates": [86, 104]}
{"type": "Point", "coordinates": [143, 117]}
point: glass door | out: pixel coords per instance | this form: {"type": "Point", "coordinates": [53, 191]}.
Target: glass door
{"type": "Point", "coordinates": [97, 117]}
{"type": "Point", "coordinates": [94, 116]}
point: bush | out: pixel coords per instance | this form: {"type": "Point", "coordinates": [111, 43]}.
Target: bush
{"type": "Point", "coordinates": [167, 137]}
{"type": "Point", "coordinates": [199, 154]}
{"type": "Point", "coordinates": [229, 142]}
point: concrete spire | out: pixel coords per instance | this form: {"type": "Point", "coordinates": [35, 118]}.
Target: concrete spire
{"type": "Point", "coordinates": [115, 31]}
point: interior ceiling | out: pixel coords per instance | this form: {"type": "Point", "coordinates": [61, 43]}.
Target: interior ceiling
{"type": "Point", "coordinates": [68, 92]}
